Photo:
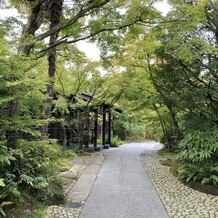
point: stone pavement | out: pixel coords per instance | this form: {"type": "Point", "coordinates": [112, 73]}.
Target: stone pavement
{"type": "Point", "coordinates": [178, 199]}
{"type": "Point", "coordinates": [123, 188]}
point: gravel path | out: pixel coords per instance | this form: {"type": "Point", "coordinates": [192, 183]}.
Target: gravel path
{"type": "Point", "coordinates": [178, 199]}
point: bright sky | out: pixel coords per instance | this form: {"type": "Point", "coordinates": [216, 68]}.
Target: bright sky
{"type": "Point", "coordinates": [90, 49]}
{"type": "Point", "coordinates": [163, 6]}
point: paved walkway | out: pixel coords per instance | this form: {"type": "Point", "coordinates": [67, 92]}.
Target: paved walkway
{"type": "Point", "coordinates": [123, 188]}
{"type": "Point", "coordinates": [120, 187]}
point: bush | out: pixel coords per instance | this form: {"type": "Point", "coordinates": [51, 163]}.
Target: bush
{"type": "Point", "coordinates": [116, 141]}
{"type": "Point", "coordinates": [129, 127]}
{"type": "Point", "coordinates": [31, 170]}
{"type": "Point", "coordinates": [198, 157]}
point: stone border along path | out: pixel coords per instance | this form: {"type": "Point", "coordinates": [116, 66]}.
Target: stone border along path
{"type": "Point", "coordinates": [80, 179]}
{"type": "Point", "coordinates": [178, 199]}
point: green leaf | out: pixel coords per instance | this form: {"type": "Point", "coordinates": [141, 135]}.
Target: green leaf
{"type": "Point", "coordinates": [2, 182]}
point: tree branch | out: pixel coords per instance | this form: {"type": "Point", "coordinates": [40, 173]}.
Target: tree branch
{"type": "Point", "coordinates": [72, 21]}
{"type": "Point", "coordinates": [89, 36]}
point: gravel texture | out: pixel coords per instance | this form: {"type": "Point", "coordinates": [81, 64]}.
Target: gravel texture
{"type": "Point", "coordinates": [57, 211]}
{"type": "Point", "coordinates": [80, 179]}
{"type": "Point", "coordinates": [70, 177]}
{"type": "Point", "coordinates": [178, 199]}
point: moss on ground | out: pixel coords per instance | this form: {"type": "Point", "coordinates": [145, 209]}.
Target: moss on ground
{"type": "Point", "coordinates": [208, 189]}
{"type": "Point", "coordinates": [65, 164]}
{"type": "Point", "coordinates": [32, 210]}
{"type": "Point", "coordinates": [169, 159]}
{"type": "Point", "coordinates": [38, 213]}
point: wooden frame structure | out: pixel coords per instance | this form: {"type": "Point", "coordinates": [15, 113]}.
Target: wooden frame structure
{"type": "Point", "coordinates": [89, 118]}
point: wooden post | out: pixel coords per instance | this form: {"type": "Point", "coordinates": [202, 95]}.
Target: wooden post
{"type": "Point", "coordinates": [87, 137]}
{"type": "Point", "coordinates": [64, 135]}
{"type": "Point", "coordinates": [80, 130]}
{"type": "Point", "coordinates": [95, 128]}
{"type": "Point", "coordinates": [109, 127]}
{"type": "Point", "coordinates": [103, 125]}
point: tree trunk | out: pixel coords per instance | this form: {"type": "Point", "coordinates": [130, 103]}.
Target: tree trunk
{"type": "Point", "coordinates": [163, 126]}
{"type": "Point", "coordinates": [64, 135]}
{"type": "Point", "coordinates": [25, 45]}
{"type": "Point", "coordinates": [13, 135]}
{"type": "Point", "coordinates": [174, 122]}
{"type": "Point", "coordinates": [55, 15]}
{"type": "Point", "coordinates": [167, 103]}
{"type": "Point", "coordinates": [35, 20]}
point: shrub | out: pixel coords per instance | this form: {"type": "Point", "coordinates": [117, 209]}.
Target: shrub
{"type": "Point", "coordinates": [198, 157]}
{"type": "Point", "coordinates": [31, 169]}
{"type": "Point", "coordinates": [116, 141]}
{"type": "Point", "coordinates": [5, 203]}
